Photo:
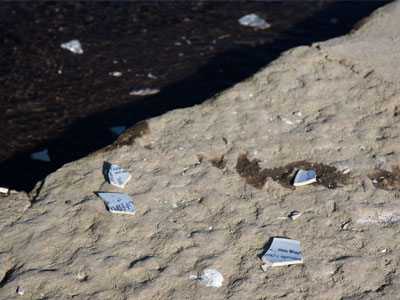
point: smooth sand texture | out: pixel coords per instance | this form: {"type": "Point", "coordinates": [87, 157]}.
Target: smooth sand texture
{"type": "Point", "coordinates": [195, 212]}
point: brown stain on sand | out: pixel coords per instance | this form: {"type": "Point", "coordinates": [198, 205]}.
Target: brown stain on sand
{"type": "Point", "coordinates": [327, 176]}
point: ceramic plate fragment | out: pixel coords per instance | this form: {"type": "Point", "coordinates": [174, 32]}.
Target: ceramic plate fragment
{"type": "Point", "coordinates": [283, 252]}
{"type": "Point", "coordinates": [304, 177]}
{"type": "Point", "coordinates": [118, 203]}
{"type": "Point", "coordinates": [118, 176]}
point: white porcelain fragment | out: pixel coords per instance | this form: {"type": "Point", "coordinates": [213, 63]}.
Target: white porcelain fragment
{"type": "Point", "coordinates": [144, 92]}
{"type": "Point", "coordinates": [41, 155]}
{"type": "Point", "coordinates": [20, 290]}
{"type": "Point", "coordinates": [283, 252]}
{"type": "Point", "coordinates": [253, 20]}
{"type": "Point", "coordinates": [74, 46]}
{"type": "Point", "coordinates": [118, 203]}
{"type": "Point", "coordinates": [118, 130]}
{"type": "Point", "coordinates": [304, 177]}
{"type": "Point", "coordinates": [212, 277]}
{"type": "Point", "coordinates": [294, 214]}
{"type": "Point", "coordinates": [118, 176]}
{"type": "Point", "coordinates": [3, 190]}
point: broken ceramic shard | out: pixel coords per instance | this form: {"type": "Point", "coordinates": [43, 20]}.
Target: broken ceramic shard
{"type": "Point", "coordinates": [118, 176]}
{"type": "Point", "coordinates": [283, 252]}
{"type": "Point", "coordinates": [118, 203]}
{"type": "Point", "coordinates": [304, 177]}
{"type": "Point", "coordinates": [212, 277]}
{"type": "Point", "coordinates": [253, 20]}
{"type": "Point", "coordinates": [144, 92]}
{"type": "Point", "coordinates": [294, 215]}
{"type": "Point", "coordinates": [118, 130]}
{"type": "Point", "coordinates": [20, 290]}
{"type": "Point", "coordinates": [74, 46]}
{"type": "Point", "coordinates": [3, 190]}
{"type": "Point", "coordinates": [41, 155]}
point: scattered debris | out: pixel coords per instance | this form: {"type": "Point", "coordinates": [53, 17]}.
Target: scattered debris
{"type": "Point", "coordinates": [41, 155]}
{"type": "Point", "coordinates": [151, 76]}
{"type": "Point", "coordinates": [144, 92]}
{"type": "Point", "coordinates": [294, 215]}
{"type": "Point", "coordinates": [210, 277]}
{"type": "Point", "coordinates": [282, 252]}
{"type": "Point", "coordinates": [116, 74]}
{"type": "Point", "coordinates": [3, 190]}
{"type": "Point", "coordinates": [118, 203]}
{"type": "Point", "coordinates": [20, 290]}
{"type": "Point", "coordinates": [118, 130]}
{"type": "Point", "coordinates": [118, 176]}
{"type": "Point", "coordinates": [387, 180]}
{"type": "Point", "coordinates": [253, 20]}
{"type": "Point", "coordinates": [74, 46]}
{"type": "Point", "coordinates": [304, 177]}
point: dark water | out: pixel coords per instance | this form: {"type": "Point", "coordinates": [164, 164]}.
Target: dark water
{"type": "Point", "coordinates": [54, 99]}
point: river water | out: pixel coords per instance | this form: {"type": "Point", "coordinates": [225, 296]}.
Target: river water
{"type": "Point", "coordinates": [64, 102]}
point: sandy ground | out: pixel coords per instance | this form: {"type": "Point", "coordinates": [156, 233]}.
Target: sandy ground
{"type": "Point", "coordinates": [210, 188]}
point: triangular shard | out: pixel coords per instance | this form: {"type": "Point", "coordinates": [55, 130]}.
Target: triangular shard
{"type": "Point", "coordinates": [253, 20]}
{"type": "Point", "coordinates": [74, 46]}
{"type": "Point", "coordinates": [118, 203]}
{"type": "Point", "coordinates": [304, 177]}
{"type": "Point", "coordinates": [41, 155]}
{"type": "Point", "coordinates": [118, 176]}
{"type": "Point", "coordinates": [118, 130]}
{"type": "Point", "coordinates": [283, 252]}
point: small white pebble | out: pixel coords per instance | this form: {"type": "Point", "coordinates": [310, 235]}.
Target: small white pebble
{"type": "Point", "coordinates": [383, 251]}
{"type": "Point", "coordinates": [362, 148]}
{"type": "Point", "coordinates": [375, 181]}
{"type": "Point", "coordinates": [116, 74]}
{"type": "Point", "coordinates": [297, 113]}
{"type": "Point", "coordinates": [174, 205]}
{"type": "Point", "coordinates": [210, 228]}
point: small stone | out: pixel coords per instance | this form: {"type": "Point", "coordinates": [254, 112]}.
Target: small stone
{"type": "Point", "coordinates": [3, 190]}
{"type": "Point", "coordinates": [116, 74]}
{"type": "Point", "coordinates": [383, 251]}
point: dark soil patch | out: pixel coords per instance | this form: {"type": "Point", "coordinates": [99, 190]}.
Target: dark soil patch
{"type": "Point", "coordinates": [218, 162]}
{"type": "Point", "coordinates": [327, 176]}
{"type": "Point", "coordinates": [386, 180]}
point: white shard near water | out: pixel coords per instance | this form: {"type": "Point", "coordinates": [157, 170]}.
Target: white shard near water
{"type": "Point", "coordinates": [74, 46]}
{"type": "Point", "coordinates": [3, 190]}
{"type": "Point", "coordinates": [118, 203]}
{"type": "Point", "coordinates": [283, 252]}
{"type": "Point", "coordinates": [144, 92]}
{"type": "Point", "coordinates": [41, 155]}
{"type": "Point", "coordinates": [118, 130]}
{"type": "Point", "coordinates": [304, 177]}
{"type": "Point", "coordinates": [118, 176]}
{"type": "Point", "coordinates": [253, 20]}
